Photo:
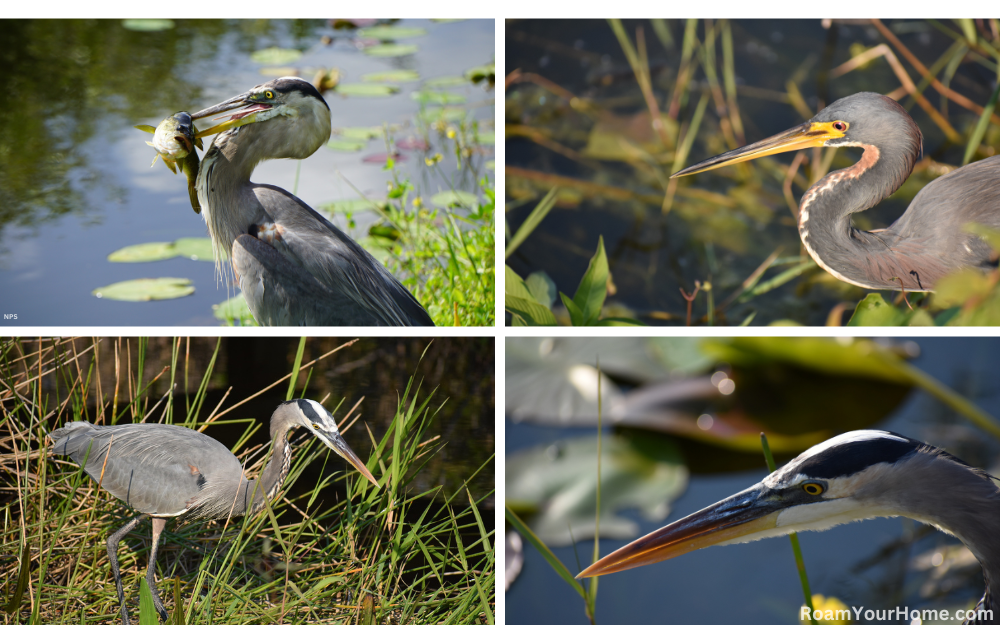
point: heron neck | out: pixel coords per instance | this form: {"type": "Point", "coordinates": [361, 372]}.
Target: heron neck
{"type": "Point", "coordinates": [863, 258]}
{"type": "Point", "coordinates": [273, 475]}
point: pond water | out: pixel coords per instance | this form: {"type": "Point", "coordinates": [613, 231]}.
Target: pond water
{"type": "Point", "coordinates": [721, 225]}
{"type": "Point", "coordinates": [75, 177]}
{"type": "Point", "coordinates": [757, 583]}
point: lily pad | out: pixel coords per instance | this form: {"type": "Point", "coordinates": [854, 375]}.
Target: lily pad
{"type": "Point", "coordinates": [147, 26]}
{"type": "Point", "coordinates": [143, 252]}
{"type": "Point", "coordinates": [443, 82]}
{"type": "Point", "coordinates": [353, 205]}
{"type": "Point", "coordinates": [432, 114]}
{"type": "Point", "coordinates": [399, 75]}
{"type": "Point", "coordinates": [391, 32]}
{"type": "Point", "coordinates": [481, 72]}
{"type": "Point", "coordinates": [486, 137]}
{"type": "Point", "coordinates": [195, 248]}
{"type": "Point", "coordinates": [276, 56]}
{"type": "Point", "coordinates": [145, 289]}
{"type": "Point", "coordinates": [438, 97]}
{"type": "Point", "coordinates": [366, 89]}
{"type": "Point", "coordinates": [279, 70]}
{"type": "Point", "coordinates": [455, 198]}
{"type": "Point", "coordinates": [559, 482]}
{"type": "Point", "coordinates": [390, 50]}
{"type": "Point", "coordinates": [345, 145]}
{"type": "Point", "coordinates": [234, 308]}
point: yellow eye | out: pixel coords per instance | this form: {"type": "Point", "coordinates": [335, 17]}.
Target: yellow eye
{"type": "Point", "coordinates": [315, 426]}
{"type": "Point", "coordinates": [812, 488]}
{"type": "Point", "coordinates": [269, 95]}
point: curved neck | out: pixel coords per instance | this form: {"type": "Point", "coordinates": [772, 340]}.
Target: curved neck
{"type": "Point", "coordinates": [867, 259]}
{"type": "Point", "coordinates": [273, 475]}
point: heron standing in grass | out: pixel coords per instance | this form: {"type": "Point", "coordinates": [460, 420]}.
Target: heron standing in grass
{"type": "Point", "coordinates": [166, 471]}
{"type": "Point", "coordinates": [931, 239]}
{"type": "Point", "coordinates": [854, 476]}
{"type": "Point", "coordinates": [293, 266]}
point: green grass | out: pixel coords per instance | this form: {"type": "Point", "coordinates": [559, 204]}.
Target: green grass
{"type": "Point", "coordinates": [394, 554]}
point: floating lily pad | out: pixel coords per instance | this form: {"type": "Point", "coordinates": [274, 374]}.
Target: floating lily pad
{"type": "Point", "coordinates": [491, 165]}
{"type": "Point", "coordinates": [148, 26]}
{"type": "Point", "coordinates": [353, 205]}
{"type": "Point", "coordinates": [281, 70]}
{"type": "Point", "coordinates": [391, 32]}
{"type": "Point", "coordinates": [559, 483]}
{"type": "Point", "coordinates": [359, 133]}
{"type": "Point", "coordinates": [443, 82]}
{"type": "Point", "coordinates": [399, 75]}
{"type": "Point", "coordinates": [455, 198]}
{"type": "Point", "coordinates": [195, 248]}
{"type": "Point", "coordinates": [233, 308]}
{"type": "Point", "coordinates": [438, 97]}
{"type": "Point", "coordinates": [145, 289]}
{"type": "Point", "coordinates": [143, 252]}
{"type": "Point", "coordinates": [481, 72]}
{"type": "Point", "coordinates": [276, 56]}
{"type": "Point", "coordinates": [486, 137]}
{"type": "Point", "coordinates": [367, 89]}
{"type": "Point", "coordinates": [346, 145]}
{"type": "Point", "coordinates": [432, 114]}
{"type": "Point", "coordinates": [391, 50]}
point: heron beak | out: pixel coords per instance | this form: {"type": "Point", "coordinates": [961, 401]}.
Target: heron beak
{"type": "Point", "coordinates": [246, 116]}
{"type": "Point", "coordinates": [807, 135]}
{"type": "Point", "coordinates": [745, 516]}
{"type": "Point", "coordinates": [337, 443]}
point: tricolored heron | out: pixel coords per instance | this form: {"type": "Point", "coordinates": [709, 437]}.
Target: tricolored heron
{"type": "Point", "coordinates": [854, 476]}
{"type": "Point", "coordinates": [293, 266]}
{"type": "Point", "coordinates": [930, 240]}
{"type": "Point", "coordinates": [166, 471]}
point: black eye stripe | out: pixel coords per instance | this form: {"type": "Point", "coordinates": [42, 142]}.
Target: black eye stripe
{"type": "Point", "coordinates": [308, 410]}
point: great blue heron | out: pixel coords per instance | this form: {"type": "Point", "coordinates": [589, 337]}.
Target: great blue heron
{"type": "Point", "coordinates": [166, 471]}
{"type": "Point", "coordinates": [854, 476]}
{"type": "Point", "coordinates": [930, 240]}
{"type": "Point", "coordinates": [293, 266]}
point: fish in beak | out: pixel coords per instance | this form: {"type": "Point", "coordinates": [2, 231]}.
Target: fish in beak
{"type": "Point", "coordinates": [249, 107]}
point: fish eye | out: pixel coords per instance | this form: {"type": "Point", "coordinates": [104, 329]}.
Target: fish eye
{"type": "Point", "coordinates": [841, 126]}
{"type": "Point", "coordinates": [813, 488]}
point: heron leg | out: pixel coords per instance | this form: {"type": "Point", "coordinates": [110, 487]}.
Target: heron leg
{"type": "Point", "coordinates": [158, 525]}
{"type": "Point", "coordinates": [113, 541]}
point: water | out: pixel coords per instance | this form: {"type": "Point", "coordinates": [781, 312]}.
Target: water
{"type": "Point", "coordinates": [757, 583]}
{"type": "Point", "coordinates": [653, 255]}
{"type": "Point", "coordinates": [76, 181]}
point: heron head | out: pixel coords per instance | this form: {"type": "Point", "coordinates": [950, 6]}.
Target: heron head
{"type": "Point", "coordinates": [314, 417]}
{"type": "Point", "coordinates": [854, 476]}
{"type": "Point", "coordinates": [283, 118]}
{"type": "Point", "coordinates": [859, 120]}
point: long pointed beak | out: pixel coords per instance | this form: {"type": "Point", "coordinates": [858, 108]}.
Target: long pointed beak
{"type": "Point", "coordinates": [734, 519]}
{"type": "Point", "coordinates": [337, 443]}
{"type": "Point", "coordinates": [246, 116]}
{"type": "Point", "coordinates": [807, 135]}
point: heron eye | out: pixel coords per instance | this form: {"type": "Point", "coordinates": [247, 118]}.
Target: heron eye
{"type": "Point", "coordinates": [315, 426]}
{"type": "Point", "coordinates": [812, 488]}
{"type": "Point", "coordinates": [841, 126]}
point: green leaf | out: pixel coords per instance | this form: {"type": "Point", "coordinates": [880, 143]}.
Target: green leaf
{"type": "Point", "coordinates": [550, 557]}
{"type": "Point", "coordinates": [346, 146]}
{"type": "Point", "coordinates": [195, 248]}
{"type": "Point", "coordinates": [390, 50]}
{"type": "Point", "coordinates": [455, 198]}
{"type": "Point", "coordinates": [432, 114]}
{"type": "Point", "coordinates": [537, 215]}
{"type": "Point", "coordinates": [542, 288]}
{"type": "Point", "coordinates": [366, 90]}
{"type": "Point", "coordinates": [589, 297]}
{"type": "Point", "coordinates": [147, 611]}
{"type": "Point", "coordinates": [519, 302]}
{"type": "Point", "coordinates": [23, 572]}
{"type": "Point", "coordinates": [143, 252]}
{"type": "Point", "coordinates": [619, 321]}
{"type": "Point", "coordinates": [647, 471]}
{"type": "Point", "coordinates": [399, 75]}
{"type": "Point", "coordinates": [391, 32]}
{"type": "Point", "coordinates": [145, 289]}
{"type": "Point", "coordinates": [875, 311]}
{"type": "Point", "coordinates": [481, 72]}
{"type": "Point", "coordinates": [486, 137]}
{"type": "Point", "coordinates": [438, 97]}
{"type": "Point", "coordinates": [576, 316]}
{"type": "Point", "coordinates": [233, 308]}
{"type": "Point", "coordinates": [147, 26]}
{"type": "Point", "coordinates": [275, 56]}
{"type": "Point", "coordinates": [445, 82]}
{"type": "Point", "coordinates": [359, 133]}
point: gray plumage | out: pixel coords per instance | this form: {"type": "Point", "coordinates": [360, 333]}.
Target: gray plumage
{"type": "Point", "coordinates": [855, 476]}
{"type": "Point", "coordinates": [927, 242]}
{"type": "Point", "coordinates": [166, 471]}
{"type": "Point", "coordinates": [293, 266]}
